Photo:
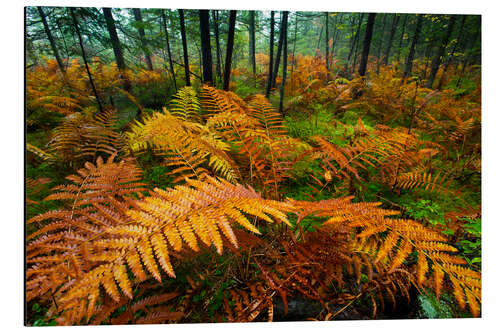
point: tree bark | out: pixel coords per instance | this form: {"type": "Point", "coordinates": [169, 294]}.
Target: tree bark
{"type": "Point", "coordinates": [436, 61]}
{"type": "Point", "coordinates": [381, 42]}
{"type": "Point", "coordinates": [215, 19]}
{"type": "Point", "coordinates": [229, 49]}
{"type": "Point", "coordinates": [271, 51]}
{"type": "Point", "coordinates": [293, 52]}
{"type": "Point", "coordinates": [395, 22]}
{"type": "Point", "coordinates": [206, 50]}
{"type": "Point", "coordinates": [411, 53]}
{"type": "Point", "coordinates": [51, 39]}
{"type": "Point", "coordinates": [184, 46]}
{"type": "Point", "coordinates": [117, 50]}
{"type": "Point", "coordinates": [366, 44]}
{"type": "Point", "coordinates": [278, 54]}
{"type": "Point", "coordinates": [144, 46]}
{"type": "Point", "coordinates": [284, 26]}
{"type": "Point", "coordinates": [355, 41]}
{"type": "Point", "coordinates": [452, 54]}
{"type": "Point", "coordinates": [84, 56]}
{"type": "Point", "coordinates": [251, 42]}
{"type": "Point", "coordinates": [171, 64]}
{"type": "Point", "coordinates": [327, 51]}
{"type": "Point", "coordinates": [402, 36]}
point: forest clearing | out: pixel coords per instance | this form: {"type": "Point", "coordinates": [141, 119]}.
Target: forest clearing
{"type": "Point", "coordinates": [207, 166]}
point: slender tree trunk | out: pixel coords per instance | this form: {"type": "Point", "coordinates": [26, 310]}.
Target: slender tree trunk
{"type": "Point", "coordinates": [381, 42]}
{"type": "Point", "coordinates": [391, 37]}
{"type": "Point", "coordinates": [436, 61]}
{"type": "Point", "coordinates": [411, 53]}
{"type": "Point", "coordinates": [229, 49]}
{"type": "Point", "coordinates": [171, 64]}
{"type": "Point", "coordinates": [356, 53]}
{"type": "Point", "coordinates": [401, 38]}
{"type": "Point", "coordinates": [271, 51]}
{"type": "Point", "coordinates": [184, 46]}
{"type": "Point", "coordinates": [84, 56]}
{"type": "Point", "coordinates": [293, 52]}
{"type": "Point", "coordinates": [145, 48]}
{"type": "Point", "coordinates": [51, 39]}
{"type": "Point", "coordinates": [366, 44]}
{"type": "Point", "coordinates": [206, 50]}
{"type": "Point", "coordinates": [452, 54]}
{"type": "Point", "coordinates": [278, 54]}
{"type": "Point", "coordinates": [327, 51]}
{"type": "Point", "coordinates": [251, 42]}
{"type": "Point", "coordinates": [335, 34]}
{"type": "Point", "coordinates": [284, 26]}
{"type": "Point", "coordinates": [117, 50]}
{"type": "Point", "coordinates": [355, 41]}
{"type": "Point", "coordinates": [215, 19]}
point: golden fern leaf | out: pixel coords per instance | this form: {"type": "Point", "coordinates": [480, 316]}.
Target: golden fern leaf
{"type": "Point", "coordinates": [185, 145]}
{"type": "Point", "coordinates": [105, 233]}
{"type": "Point", "coordinates": [185, 104]}
{"type": "Point", "coordinates": [83, 137]}
{"type": "Point", "coordinates": [45, 156]}
{"type": "Point", "coordinates": [428, 182]}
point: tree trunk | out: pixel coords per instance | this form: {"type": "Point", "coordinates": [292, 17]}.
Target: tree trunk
{"type": "Point", "coordinates": [391, 37]}
{"type": "Point", "coordinates": [366, 44]}
{"type": "Point", "coordinates": [117, 50]}
{"type": "Point", "coordinates": [84, 56]}
{"type": "Point", "coordinates": [171, 64]}
{"type": "Point", "coordinates": [206, 50]}
{"type": "Point", "coordinates": [184, 46]}
{"type": "Point", "coordinates": [411, 53]}
{"type": "Point", "coordinates": [436, 61]}
{"type": "Point", "coordinates": [355, 41]}
{"type": "Point", "coordinates": [452, 54]}
{"type": "Point", "coordinates": [144, 46]}
{"type": "Point", "coordinates": [327, 51]}
{"type": "Point", "coordinates": [51, 39]}
{"type": "Point", "coordinates": [293, 52]}
{"type": "Point", "coordinates": [251, 41]}
{"type": "Point", "coordinates": [284, 26]}
{"type": "Point", "coordinates": [401, 38]}
{"type": "Point", "coordinates": [271, 51]}
{"type": "Point", "coordinates": [229, 49]}
{"type": "Point", "coordinates": [215, 19]}
{"type": "Point", "coordinates": [381, 42]}
{"type": "Point", "coordinates": [278, 54]}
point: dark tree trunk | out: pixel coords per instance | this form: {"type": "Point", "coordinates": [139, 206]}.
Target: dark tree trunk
{"type": "Point", "coordinates": [251, 41]}
{"type": "Point", "coordinates": [411, 53]}
{"type": "Point", "coordinates": [284, 26]}
{"type": "Point", "coordinates": [229, 49]}
{"type": "Point", "coordinates": [327, 51]}
{"type": "Point", "coordinates": [452, 54]}
{"type": "Point", "coordinates": [184, 46]}
{"type": "Point", "coordinates": [215, 18]}
{"type": "Point", "coordinates": [436, 61]}
{"type": "Point", "coordinates": [84, 56]}
{"type": "Point", "coordinates": [366, 44]}
{"type": "Point", "coordinates": [391, 37]}
{"type": "Point", "coordinates": [145, 48]}
{"type": "Point", "coordinates": [381, 42]}
{"type": "Point", "coordinates": [278, 54]}
{"type": "Point", "coordinates": [335, 33]}
{"type": "Point", "coordinates": [271, 51]}
{"type": "Point", "coordinates": [51, 40]}
{"type": "Point", "coordinates": [171, 64]}
{"type": "Point", "coordinates": [293, 52]}
{"type": "Point", "coordinates": [117, 50]}
{"type": "Point", "coordinates": [401, 38]}
{"type": "Point", "coordinates": [355, 41]}
{"type": "Point", "coordinates": [206, 50]}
